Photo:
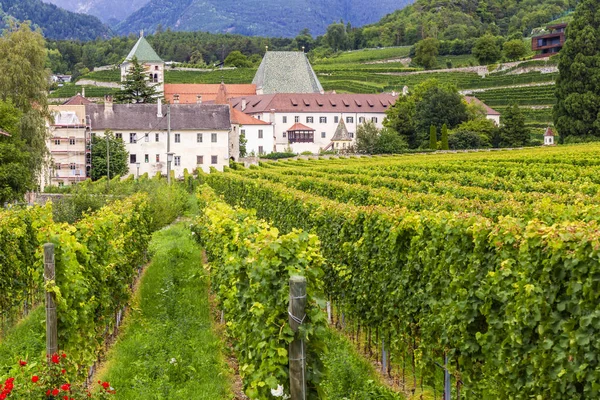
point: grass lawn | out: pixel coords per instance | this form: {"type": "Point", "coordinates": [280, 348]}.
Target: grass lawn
{"type": "Point", "coordinates": [27, 339]}
{"type": "Point", "coordinates": [168, 349]}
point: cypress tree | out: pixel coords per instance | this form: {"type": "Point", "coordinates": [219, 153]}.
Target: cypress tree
{"type": "Point", "coordinates": [445, 145]}
{"type": "Point", "coordinates": [432, 137]}
{"type": "Point", "coordinates": [577, 112]}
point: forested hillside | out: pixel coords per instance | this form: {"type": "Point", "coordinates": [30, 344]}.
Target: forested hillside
{"type": "Point", "coordinates": [449, 20]}
{"type": "Point", "coordinates": [54, 22]}
{"type": "Point", "coordinates": [256, 17]}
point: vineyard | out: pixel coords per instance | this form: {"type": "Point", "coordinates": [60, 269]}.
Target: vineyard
{"type": "Point", "coordinates": [487, 258]}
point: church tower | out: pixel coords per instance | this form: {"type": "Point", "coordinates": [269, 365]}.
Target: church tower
{"type": "Point", "coordinates": [155, 66]}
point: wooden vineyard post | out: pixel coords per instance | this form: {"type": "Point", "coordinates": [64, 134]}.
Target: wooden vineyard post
{"type": "Point", "coordinates": [297, 349]}
{"type": "Point", "coordinates": [51, 322]}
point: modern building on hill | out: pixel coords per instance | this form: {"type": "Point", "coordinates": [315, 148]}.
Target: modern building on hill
{"type": "Point", "coordinates": [146, 56]}
{"type": "Point", "coordinates": [550, 43]}
{"type": "Point", "coordinates": [68, 145]}
{"type": "Point", "coordinates": [490, 113]}
{"type": "Point", "coordinates": [319, 114]}
{"type": "Point", "coordinates": [286, 72]}
{"type": "Point", "coordinates": [184, 93]}
{"type": "Point", "coordinates": [198, 138]}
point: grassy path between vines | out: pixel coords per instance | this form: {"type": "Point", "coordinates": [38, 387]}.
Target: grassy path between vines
{"type": "Point", "coordinates": [167, 348]}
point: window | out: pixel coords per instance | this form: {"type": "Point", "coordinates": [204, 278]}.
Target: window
{"type": "Point", "coordinates": [119, 135]}
{"type": "Point", "coordinates": [242, 132]}
{"type": "Point", "coordinates": [57, 166]}
{"type": "Point", "coordinates": [214, 159]}
{"type": "Point", "coordinates": [61, 184]}
{"type": "Point", "coordinates": [323, 120]}
{"type": "Point", "coordinates": [336, 119]}
{"type": "Point", "coordinates": [284, 134]}
{"type": "Point", "coordinates": [260, 133]}
{"type": "Point", "coordinates": [72, 141]}
{"type": "Point", "coordinates": [260, 150]}
{"type": "Point", "coordinates": [146, 158]}
{"type": "Point", "coordinates": [156, 67]}
{"type": "Point", "coordinates": [176, 98]}
{"type": "Point", "coordinates": [349, 120]}
{"type": "Point", "coordinates": [199, 160]}
{"type": "Point", "coordinates": [199, 137]}
{"type": "Point", "coordinates": [72, 166]}
{"type": "Point", "coordinates": [133, 138]}
{"type": "Point", "coordinates": [146, 138]}
{"type": "Point", "coordinates": [297, 118]}
{"type": "Point", "coordinates": [284, 119]}
{"type": "Point", "coordinates": [351, 135]}
{"type": "Point", "coordinates": [213, 137]}
{"type": "Point", "coordinates": [361, 120]}
{"type": "Point", "coordinates": [374, 119]}
{"type": "Point", "coordinates": [309, 120]}
{"type": "Point", "coordinates": [158, 158]}
{"type": "Point", "coordinates": [132, 159]}
{"type": "Point", "coordinates": [157, 137]}
{"type": "Point", "coordinates": [178, 138]}
{"type": "Point", "coordinates": [57, 142]}
{"type": "Point", "coordinates": [323, 135]}
{"type": "Point", "coordinates": [177, 161]}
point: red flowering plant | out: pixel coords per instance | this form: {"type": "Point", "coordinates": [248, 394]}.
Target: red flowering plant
{"type": "Point", "coordinates": [54, 379]}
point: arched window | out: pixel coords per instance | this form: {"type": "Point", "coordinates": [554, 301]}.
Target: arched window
{"type": "Point", "coordinates": [155, 78]}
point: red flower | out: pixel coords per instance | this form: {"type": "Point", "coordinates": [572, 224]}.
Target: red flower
{"type": "Point", "coordinates": [55, 358]}
{"type": "Point", "coordinates": [3, 396]}
{"type": "Point", "coordinates": [63, 355]}
{"type": "Point", "coordinates": [63, 371]}
{"type": "Point", "coordinates": [105, 385]}
{"type": "Point", "coordinates": [35, 378]}
{"type": "Point", "coordinates": [65, 397]}
{"type": "Point", "coordinates": [48, 392]}
{"type": "Point", "coordinates": [22, 363]}
{"type": "Point", "coordinates": [66, 387]}
{"type": "Point", "coordinates": [54, 392]}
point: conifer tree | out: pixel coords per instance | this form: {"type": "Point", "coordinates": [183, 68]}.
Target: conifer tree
{"type": "Point", "coordinates": [514, 132]}
{"type": "Point", "coordinates": [577, 112]}
{"type": "Point", "coordinates": [445, 145]}
{"type": "Point", "coordinates": [136, 88]}
{"type": "Point", "coordinates": [432, 137]}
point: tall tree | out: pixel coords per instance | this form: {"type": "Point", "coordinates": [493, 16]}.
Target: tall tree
{"type": "Point", "coordinates": [366, 138]}
{"type": "Point", "coordinates": [432, 137]}
{"type": "Point", "coordinates": [445, 145]}
{"type": "Point", "coordinates": [426, 52]}
{"type": "Point", "coordinates": [438, 106]}
{"type": "Point", "coordinates": [336, 36]}
{"type": "Point", "coordinates": [137, 88]}
{"type": "Point", "coordinates": [514, 49]}
{"type": "Point", "coordinates": [15, 177]}
{"type": "Point", "coordinates": [117, 155]}
{"type": "Point", "coordinates": [486, 50]}
{"type": "Point", "coordinates": [23, 84]}
{"type": "Point", "coordinates": [401, 118]}
{"type": "Point", "coordinates": [513, 131]}
{"type": "Point", "coordinates": [577, 112]}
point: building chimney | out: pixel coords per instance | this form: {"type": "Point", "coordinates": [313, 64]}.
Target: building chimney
{"type": "Point", "coordinates": [108, 103]}
{"type": "Point", "coordinates": [243, 104]}
{"type": "Point", "coordinates": [199, 99]}
{"type": "Point", "coordinates": [159, 113]}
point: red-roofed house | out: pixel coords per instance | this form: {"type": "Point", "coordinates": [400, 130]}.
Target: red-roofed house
{"type": "Point", "coordinates": [549, 137]}
{"type": "Point", "coordinates": [491, 114]}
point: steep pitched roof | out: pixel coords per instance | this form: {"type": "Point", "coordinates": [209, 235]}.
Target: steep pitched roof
{"type": "Point", "coordinates": [341, 133]}
{"type": "Point", "coordinates": [286, 72]}
{"type": "Point", "coordinates": [238, 117]}
{"type": "Point", "coordinates": [144, 117]}
{"type": "Point", "coordinates": [77, 100]}
{"type": "Point", "coordinates": [300, 127]}
{"type": "Point", "coordinates": [316, 102]}
{"type": "Point", "coordinates": [489, 110]}
{"type": "Point", "coordinates": [144, 52]}
{"type": "Point", "coordinates": [549, 132]}
{"type": "Point", "coordinates": [188, 93]}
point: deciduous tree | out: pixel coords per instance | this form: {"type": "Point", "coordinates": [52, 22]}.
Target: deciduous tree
{"type": "Point", "coordinates": [117, 154]}
{"type": "Point", "coordinates": [486, 50]}
{"type": "Point", "coordinates": [426, 52]}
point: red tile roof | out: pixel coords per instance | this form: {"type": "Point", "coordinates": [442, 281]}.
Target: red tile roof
{"type": "Point", "coordinates": [188, 93]}
{"type": "Point", "coordinates": [316, 102]}
{"type": "Point", "coordinates": [549, 132]}
{"type": "Point", "coordinates": [238, 117]}
{"type": "Point", "coordinates": [489, 110]}
{"type": "Point", "coordinates": [77, 100]}
{"type": "Point", "coordinates": [300, 127]}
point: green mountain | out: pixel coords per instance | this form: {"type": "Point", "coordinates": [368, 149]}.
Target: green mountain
{"type": "Point", "coordinates": [256, 17]}
{"type": "Point", "coordinates": [464, 19]}
{"type": "Point", "coordinates": [54, 22]}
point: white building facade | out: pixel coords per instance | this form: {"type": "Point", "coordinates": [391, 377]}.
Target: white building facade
{"type": "Point", "coordinates": [259, 134]}
{"type": "Point", "coordinates": [153, 64]}
{"type": "Point", "coordinates": [319, 112]}
{"type": "Point", "coordinates": [198, 138]}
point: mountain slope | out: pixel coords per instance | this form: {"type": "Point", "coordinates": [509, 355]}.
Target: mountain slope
{"type": "Point", "coordinates": [284, 18]}
{"type": "Point", "coordinates": [108, 11]}
{"type": "Point", "coordinates": [55, 22]}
